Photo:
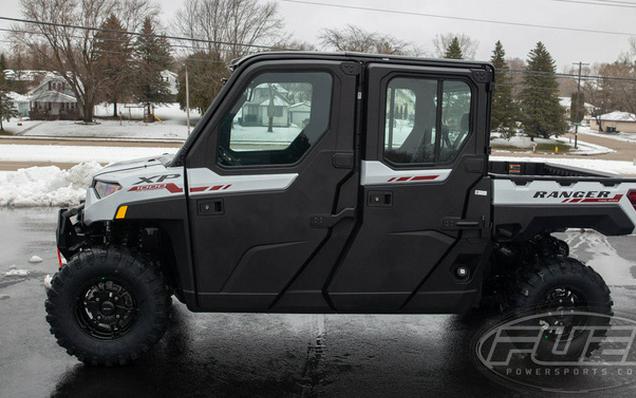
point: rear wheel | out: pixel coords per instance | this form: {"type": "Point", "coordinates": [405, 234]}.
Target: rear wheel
{"type": "Point", "coordinates": [107, 307]}
{"type": "Point", "coordinates": [561, 288]}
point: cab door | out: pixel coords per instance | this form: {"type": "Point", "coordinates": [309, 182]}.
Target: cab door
{"type": "Point", "coordinates": [265, 179]}
{"type": "Point", "coordinates": [425, 195]}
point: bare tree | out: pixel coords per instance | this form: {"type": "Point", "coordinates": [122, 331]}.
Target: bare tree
{"type": "Point", "coordinates": [229, 26]}
{"type": "Point", "coordinates": [354, 38]}
{"type": "Point", "coordinates": [468, 46]}
{"type": "Point", "coordinates": [71, 51]}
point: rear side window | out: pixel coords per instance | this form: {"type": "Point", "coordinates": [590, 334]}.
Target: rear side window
{"type": "Point", "coordinates": [277, 119]}
{"type": "Point", "coordinates": [426, 120]}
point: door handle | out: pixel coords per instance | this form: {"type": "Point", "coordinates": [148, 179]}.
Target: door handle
{"type": "Point", "coordinates": [209, 207]}
{"type": "Point", "coordinates": [456, 223]}
{"type": "Point", "coordinates": [328, 221]}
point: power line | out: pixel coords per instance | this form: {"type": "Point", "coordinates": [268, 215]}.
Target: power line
{"type": "Point", "coordinates": [573, 75]}
{"type": "Point", "coordinates": [169, 37]}
{"type": "Point", "coordinates": [467, 19]}
{"type": "Point", "coordinates": [30, 32]}
{"type": "Point", "coordinates": [599, 3]}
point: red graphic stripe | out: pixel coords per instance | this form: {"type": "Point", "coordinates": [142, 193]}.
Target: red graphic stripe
{"type": "Point", "coordinates": [198, 189]}
{"type": "Point", "coordinates": [424, 178]}
{"type": "Point", "coordinates": [413, 178]}
{"type": "Point", "coordinates": [615, 199]}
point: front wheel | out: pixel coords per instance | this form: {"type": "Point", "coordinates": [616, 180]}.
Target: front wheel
{"type": "Point", "coordinates": [107, 307]}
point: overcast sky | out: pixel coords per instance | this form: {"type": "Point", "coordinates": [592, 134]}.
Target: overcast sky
{"type": "Point", "coordinates": [305, 22]}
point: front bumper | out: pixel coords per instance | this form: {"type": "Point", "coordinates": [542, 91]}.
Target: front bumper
{"type": "Point", "coordinates": [69, 235]}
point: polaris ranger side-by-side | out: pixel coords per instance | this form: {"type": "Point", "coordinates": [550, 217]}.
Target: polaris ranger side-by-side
{"type": "Point", "coordinates": [328, 183]}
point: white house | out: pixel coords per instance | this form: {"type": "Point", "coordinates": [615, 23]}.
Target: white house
{"type": "Point", "coordinates": [299, 113]}
{"type": "Point", "coordinates": [53, 99]}
{"type": "Point", "coordinates": [266, 100]}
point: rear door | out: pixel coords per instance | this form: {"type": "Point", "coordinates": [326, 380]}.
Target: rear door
{"type": "Point", "coordinates": [266, 181]}
{"type": "Point", "coordinates": [425, 203]}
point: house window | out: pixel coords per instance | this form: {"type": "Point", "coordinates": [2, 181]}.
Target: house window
{"type": "Point", "coordinates": [255, 130]}
{"type": "Point", "coordinates": [426, 120]}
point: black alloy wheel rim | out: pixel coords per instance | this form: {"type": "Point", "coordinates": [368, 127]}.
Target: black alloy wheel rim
{"type": "Point", "coordinates": [560, 304]}
{"type": "Point", "coordinates": [106, 309]}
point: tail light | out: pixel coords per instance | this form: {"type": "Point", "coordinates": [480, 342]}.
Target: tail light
{"type": "Point", "coordinates": [631, 195]}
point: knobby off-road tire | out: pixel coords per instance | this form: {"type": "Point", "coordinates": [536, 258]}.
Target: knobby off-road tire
{"type": "Point", "coordinates": [580, 288]}
{"type": "Point", "coordinates": [530, 287]}
{"type": "Point", "coordinates": [107, 307]}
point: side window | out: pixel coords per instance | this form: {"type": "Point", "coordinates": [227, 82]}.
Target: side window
{"type": "Point", "coordinates": [276, 120]}
{"type": "Point", "coordinates": [418, 128]}
{"type": "Point", "coordinates": [455, 118]}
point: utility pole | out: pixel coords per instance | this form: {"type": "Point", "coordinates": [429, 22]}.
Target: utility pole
{"type": "Point", "coordinates": [187, 84]}
{"type": "Point", "coordinates": [576, 106]}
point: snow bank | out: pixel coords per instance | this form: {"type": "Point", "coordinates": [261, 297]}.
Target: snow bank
{"type": "Point", "coordinates": [46, 186]}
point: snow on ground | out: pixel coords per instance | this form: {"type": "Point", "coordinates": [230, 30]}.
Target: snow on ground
{"type": "Point", "coordinates": [46, 186]}
{"type": "Point", "coordinates": [605, 259]}
{"type": "Point", "coordinates": [521, 141]}
{"type": "Point", "coordinates": [600, 165]}
{"type": "Point", "coordinates": [171, 124]}
{"type": "Point", "coordinates": [17, 272]}
{"type": "Point", "coordinates": [76, 154]}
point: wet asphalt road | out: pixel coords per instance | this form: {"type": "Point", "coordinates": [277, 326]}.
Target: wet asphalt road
{"type": "Point", "coordinates": [261, 355]}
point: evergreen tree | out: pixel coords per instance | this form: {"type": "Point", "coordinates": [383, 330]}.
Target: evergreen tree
{"type": "Point", "coordinates": [7, 111]}
{"type": "Point", "coordinates": [543, 116]}
{"type": "Point", "coordinates": [152, 53]}
{"type": "Point", "coordinates": [504, 110]}
{"type": "Point", "coordinates": [3, 63]}
{"type": "Point", "coordinates": [454, 50]}
{"type": "Point", "coordinates": [206, 72]}
{"type": "Point", "coordinates": [114, 61]}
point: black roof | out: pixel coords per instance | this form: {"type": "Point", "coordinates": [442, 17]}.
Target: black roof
{"type": "Point", "coordinates": [360, 57]}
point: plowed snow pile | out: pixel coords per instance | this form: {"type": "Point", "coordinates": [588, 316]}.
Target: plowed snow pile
{"type": "Point", "coordinates": [46, 186]}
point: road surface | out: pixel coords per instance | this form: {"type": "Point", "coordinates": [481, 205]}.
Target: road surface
{"type": "Point", "coordinates": [260, 355]}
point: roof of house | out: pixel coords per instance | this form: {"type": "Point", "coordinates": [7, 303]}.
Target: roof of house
{"type": "Point", "coordinates": [16, 97]}
{"type": "Point", "coordinates": [53, 96]}
{"type": "Point", "coordinates": [618, 116]}
{"type": "Point", "coordinates": [304, 106]}
{"type": "Point", "coordinates": [45, 81]}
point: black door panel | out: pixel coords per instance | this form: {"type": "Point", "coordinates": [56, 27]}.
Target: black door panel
{"type": "Point", "coordinates": [250, 249]}
{"type": "Point", "coordinates": [425, 122]}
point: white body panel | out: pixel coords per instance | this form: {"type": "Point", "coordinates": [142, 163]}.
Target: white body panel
{"type": "Point", "coordinates": [204, 181]}
{"type": "Point", "coordinates": [147, 179]}
{"type": "Point", "coordinates": [583, 193]}
{"type": "Point", "coordinates": [377, 173]}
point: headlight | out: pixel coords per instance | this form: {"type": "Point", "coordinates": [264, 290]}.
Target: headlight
{"type": "Point", "coordinates": [104, 189]}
